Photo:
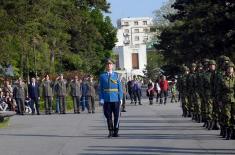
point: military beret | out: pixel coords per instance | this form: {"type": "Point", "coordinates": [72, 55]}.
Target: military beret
{"type": "Point", "coordinates": [109, 61]}
{"type": "Point", "coordinates": [212, 62]}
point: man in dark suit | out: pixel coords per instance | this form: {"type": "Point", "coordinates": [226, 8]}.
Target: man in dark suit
{"type": "Point", "coordinates": [34, 95]}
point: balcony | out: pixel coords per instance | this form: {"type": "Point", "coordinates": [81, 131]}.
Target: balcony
{"type": "Point", "coordinates": [126, 42]}
{"type": "Point", "coordinates": [126, 34]}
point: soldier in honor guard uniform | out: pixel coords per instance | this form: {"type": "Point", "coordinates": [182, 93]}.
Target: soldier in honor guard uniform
{"type": "Point", "coordinates": [47, 93]}
{"type": "Point", "coordinates": [111, 95]}
{"type": "Point", "coordinates": [61, 90]}
{"type": "Point", "coordinates": [76, 94]}
{"type": "Point", "coordinates": [19, 94]}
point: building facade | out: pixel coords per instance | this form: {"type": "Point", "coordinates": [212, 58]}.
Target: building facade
{"type": "Point", "coordinates": [133, 34]}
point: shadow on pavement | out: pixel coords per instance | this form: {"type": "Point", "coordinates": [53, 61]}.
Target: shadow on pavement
{"type": "Point", "coordinates": [128, 150]}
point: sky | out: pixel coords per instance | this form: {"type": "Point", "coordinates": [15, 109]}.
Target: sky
{"type": "Point", "coordinates": [133, 8]}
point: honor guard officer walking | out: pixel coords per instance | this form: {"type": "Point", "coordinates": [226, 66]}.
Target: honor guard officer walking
{"type": "Point", "coordinates": [111, 95]}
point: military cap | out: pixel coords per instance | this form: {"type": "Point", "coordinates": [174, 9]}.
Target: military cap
{"type": "Point", "coordinates": [212, 62]}
{"type": "Point", "coordinates": [226, 58]}
{"type": "Point", "coordinates": [230, 64]}
{"type": "Point", "coordinates": [185, 68]}
{"type": "Point", "coordinates": [109, 61]}
{"type": "Point", "coordinates": [193, 65]}
{"type": "Point", "coordinates": [205, 60]}
{"type": "Point", "coordinates": [199, 65]}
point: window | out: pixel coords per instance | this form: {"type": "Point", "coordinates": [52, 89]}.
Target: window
{"type": "Point", "coordinates": [135, 61]}
{"type": "Point", "coordinates": [126, 30]}
{"type": "Point", "coordinates": [136, 23]}
{"type": "Point", "coordinates": [145, 23]}
{"type": "Point", "coordinates": [126, 23]}
{"type": "Point", "coordinates": [136, 30]}
{"type": "Point", "coordinates": [137, 38]}
{"type": "Point", "coordinates": [145, 39]}
{"type": "Point", "coordinates": [146, 30]}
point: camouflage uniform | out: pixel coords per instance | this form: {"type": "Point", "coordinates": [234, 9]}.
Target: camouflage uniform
{"type": "Point", "coordinates": [227, 98]}
{"type": "Point", "coordinates": [191, 91]}
{"type": "Point", "coordinates": [222, 61]}
{"type": "Point", "coordinates": [203, 76]}
{"type": "Point", "coordinates": [184, 91]}
{"type": "Point", "coordinates": [198, 93]}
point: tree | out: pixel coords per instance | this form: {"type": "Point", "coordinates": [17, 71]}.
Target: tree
{"type": "Point", "coordinates": [198, 29]}
{"type": "Point", "coordinates": [39, 36]}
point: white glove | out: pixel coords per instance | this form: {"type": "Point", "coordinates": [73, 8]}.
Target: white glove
{"type": "Point", "coordinates": [102, 102]}
{"type": "Point", "coordinates": [121, 102]}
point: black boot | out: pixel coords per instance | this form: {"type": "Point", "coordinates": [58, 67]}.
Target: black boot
{"type": "Point", "coordinates": [210, 125]}
{"type": "Point", "coordinates": [221, 130]}
{"type": "Point", "coordinates": [228, 133]}
{"type": "Point", "coordinates": [233, 134]}
{"type": "Point", "coordinates": [110, 127]}
{"type": "Point", "coordinates": [205, 124]}
{"type": "Point", "coordinates": [110, 133]}
{"type": "Point", "coordinates": [215, 126]}
{"type": "Point", "coordinates": [199, 119]}
{"type": "Point", "coordinates": [224, 132]}
{"type": "Point", "coordinates": [115, 133]}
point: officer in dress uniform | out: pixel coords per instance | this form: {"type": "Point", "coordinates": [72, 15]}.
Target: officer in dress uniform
{"type": "Point", "coordinates": [111, 95]}
{"type": "Point", "coordinates": [76, 94]}
{"type": "Point", "coordinates": [47, 93]}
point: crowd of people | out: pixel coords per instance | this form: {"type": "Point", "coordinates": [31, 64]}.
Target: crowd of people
{"type": "Point", "coordinates": [160, 89]}
{"type": "Point", "coordinates": [207, 94]}
{"type": "Point", "coordinates": [17, 96]}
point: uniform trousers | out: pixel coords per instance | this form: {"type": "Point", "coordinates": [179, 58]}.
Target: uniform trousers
{"type": "Point", "coordinates": [112, 109]}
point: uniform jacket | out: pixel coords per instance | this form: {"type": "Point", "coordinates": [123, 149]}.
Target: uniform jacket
{"type": "Point", "coordinates": [20, 91]}
{"type": "Point", "coordinates": [75, 88]}
{"type": "Point", "coordinates": [47, 88]}
{"type": "Point", "coordinates": [91, 89]}
{"type": "Point", "coordinates": [227, 89]}
{"type": "Point", "coordinates": [110, 87]}
{"type": "Point", "coordinates": [60, 88]}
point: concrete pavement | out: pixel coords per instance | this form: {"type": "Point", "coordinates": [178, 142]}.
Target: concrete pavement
{"type": "Point", "coordinates": [145, 129]}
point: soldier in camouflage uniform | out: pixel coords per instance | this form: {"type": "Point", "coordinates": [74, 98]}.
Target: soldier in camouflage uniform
{"type": "Point", "coordinates": [191, 91]}
{"type": "Point", "coordinates": [227, 99]}
{"type": "Point", "coordinates": [222, 61]}
{"type": "Point", "coordinates": [212, 109]}
{"type": "Point", "coordinates": [184, 91]}
{"type": "Point", "coordinates": [198, 93]}
{"type": "Point", "coordinates": [205, 88]}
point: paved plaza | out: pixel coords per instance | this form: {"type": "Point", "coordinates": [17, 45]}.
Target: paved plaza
{"type": "Point", "coordinates": [145, 129]}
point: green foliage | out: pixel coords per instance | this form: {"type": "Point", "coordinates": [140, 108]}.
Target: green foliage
{"type": "Point", "coordinates": [154, 62]}
{"type": "Point", "coordinates": [39, 36]}
{"type": "Point", "coordinates": [197, 30]}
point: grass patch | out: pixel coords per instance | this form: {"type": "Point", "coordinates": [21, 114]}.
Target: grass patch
{"type": "Point", "coordinates": [5, 123]}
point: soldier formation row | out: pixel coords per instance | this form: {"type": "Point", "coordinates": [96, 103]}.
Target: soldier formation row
{"type": "Point", "coordinates": [207, 94]}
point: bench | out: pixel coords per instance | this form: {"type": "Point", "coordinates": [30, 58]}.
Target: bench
{"type": "Point", "coordinates": [6, 114]}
